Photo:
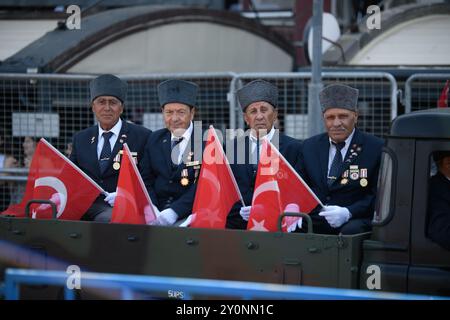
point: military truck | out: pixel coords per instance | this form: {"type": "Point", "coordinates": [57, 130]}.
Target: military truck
{"type": "Point", "coordinates": [396, 256]}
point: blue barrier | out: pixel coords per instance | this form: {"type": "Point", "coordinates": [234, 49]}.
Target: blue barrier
{"type": "Point", "coordinates": [188, 287]}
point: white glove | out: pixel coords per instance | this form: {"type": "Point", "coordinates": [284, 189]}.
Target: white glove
{"type": "Point", "coordinates": [292, 224]}
{"type": "Point", "coordinates": [245, 212]}
{"type": "Point", "coordinates": [187, 222]}
{"type": "Point", "coordinates": [336, 216]}
{"type": "Point", "coordinates": [167, 217]}
{"type": "Point", "coordinates": [110, 198]}
{"type": "Point", "coordinates": [149, 217]}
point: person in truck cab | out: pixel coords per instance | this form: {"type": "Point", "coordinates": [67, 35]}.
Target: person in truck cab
{"type": "Point", "coordinates": [438, 228]}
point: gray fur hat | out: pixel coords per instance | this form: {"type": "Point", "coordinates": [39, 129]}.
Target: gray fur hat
{"type": "Point", "coordinates": [339, 96]}
{"type": "Point", "coordinates": [108, 85]}
{"type": "Point", "coordinates": [177, 91]}
{"type": "Point", "coordinates": [257, 90]}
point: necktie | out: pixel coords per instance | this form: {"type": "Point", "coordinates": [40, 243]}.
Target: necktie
{"type": "Point", "coordinates": [105, 154]}
{"type": "Point", "coordinates": [175, 153]}
{"type": "Point", "coordinates": [336, 164]}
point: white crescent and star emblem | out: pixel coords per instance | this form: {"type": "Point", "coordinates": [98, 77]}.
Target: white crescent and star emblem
{"type": "Point", "coordinates": [60, 197]}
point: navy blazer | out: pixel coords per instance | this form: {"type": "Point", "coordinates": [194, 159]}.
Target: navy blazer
{"type": "Point", "coordinates": [313, 167]}
{"type": "Point", "coordinates": [245, 174]}
{"type": "Point", "coordinates": [439, 210]}
{"type": "Point", "coordinates": [84, 152]}
{"type": "Point", "coordinates": [163, 179]}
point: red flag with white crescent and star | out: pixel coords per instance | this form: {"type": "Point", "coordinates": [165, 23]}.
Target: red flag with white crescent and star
{"type": "Point", "coordinates": [52, 176]}
{"type": "Point", "coordinates": [217, 190]}
{"type": "Point", "coordinates": [132, 204]}
{"type": "Point", "coordinates": [278, 187]}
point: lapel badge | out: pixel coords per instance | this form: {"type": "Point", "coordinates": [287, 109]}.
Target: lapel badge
{"type": "Point", "coordinates": [92, 139]}
{"type": "Point", "coordinates": [359, 149]}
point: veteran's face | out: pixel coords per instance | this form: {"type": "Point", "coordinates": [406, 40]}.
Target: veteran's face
{"type": "Point", "coordinates": [177, 117]}
{"type": "Point", "coordinates": [107, 110]}
{"type": "Point", "coordinates": [339, 123]}
{"type": "Point", "coordinates": [260, 116]}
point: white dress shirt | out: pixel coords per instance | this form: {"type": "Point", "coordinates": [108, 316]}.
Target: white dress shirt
{"type": "Point", "coordinates": [254, 141]}
{"type": "Point", "coordinates": [115, 130]}
{"type": "Point", "coordinates": [183, 144]}
{"type": "Point", "coordinates": [332, 151]}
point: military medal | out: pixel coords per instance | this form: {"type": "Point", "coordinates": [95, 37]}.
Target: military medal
{"type": "Point", "coordinates": [116, 164]}
{"type": "Point", "coordinates": [354, 172]}
{"type": "Point", "coordinates": [363, 174]}
{"type": "Point", "coordinates": [363, 182]}
{"type": "Point", "coordinates": [344, 178]}
{"type": "Point", "coordinates": [184, 178]}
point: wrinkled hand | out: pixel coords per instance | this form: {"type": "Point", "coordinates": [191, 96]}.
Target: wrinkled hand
{"type": "Point", "coordinates": [110, 198]}
{"type": "Point", "coordinates": [167, 217]}
{"type": "Point", "coordinates": [245, 212]}
{"type": "Point", "coordinates": [336, 216]}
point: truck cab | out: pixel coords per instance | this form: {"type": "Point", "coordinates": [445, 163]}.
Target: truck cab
{"type": "Point", "coordinates": [408, 260]}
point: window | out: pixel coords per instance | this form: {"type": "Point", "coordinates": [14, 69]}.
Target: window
{"type": "Point", "coordinates": [385, 188]}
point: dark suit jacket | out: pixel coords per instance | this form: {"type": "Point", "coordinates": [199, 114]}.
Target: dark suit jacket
{"type": "Point", "coordinates": [245, 174]}
{"type": "Point", "coordinates": [162, 178]}
{"type": "Point", "coordinates": [313, 167]}
{"type": "Point", "coordinates": [84, 152]}
{"type": "Point", "coordinates": [439, 210]}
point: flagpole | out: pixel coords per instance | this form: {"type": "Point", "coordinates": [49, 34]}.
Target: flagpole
{"type": "Point", "coordinates": [73, 165]}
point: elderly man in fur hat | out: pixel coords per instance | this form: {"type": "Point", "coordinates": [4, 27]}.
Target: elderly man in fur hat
{"type": "Point", "coordinates": [341, 165]}
{"type": "Point", "coordinates": [95, 150]}
{"type": "Point", "coordinates": [259, 102]}
{"type": "Point", "coordinates": [173, 154]}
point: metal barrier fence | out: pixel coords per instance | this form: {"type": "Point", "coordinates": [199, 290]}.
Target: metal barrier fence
{"type": "Point", "coordinates": [55, 106]}
{"type": "Point", "coordinates": [422, 90]}
{"type": "Point", "coordinates": [134, 286]}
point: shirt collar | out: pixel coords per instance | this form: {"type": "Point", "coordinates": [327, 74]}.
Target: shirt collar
{"type": "Point", "coordinates": [186, 135]}
{"type": "Point", "coordinates": [347, 141]}
{"type": "Point", "coordinates": [268, 136]}
{"type": "Point", "coordinates": [116, 129]}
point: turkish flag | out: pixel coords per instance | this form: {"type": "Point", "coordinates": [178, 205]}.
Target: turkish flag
{"type": "Point", "coordinates": [132, 204]}
{"type": "Point", "coordinates": [217, 190]}
{"type": "Point", "coordinates": [278, 187]}
{"type": "Point", "coordinates": [54, 177]}
{"type": "Point", "coordinates": [443, 99]}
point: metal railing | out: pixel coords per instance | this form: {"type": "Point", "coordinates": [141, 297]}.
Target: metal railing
{"type": "Point", "coordinates": [132, 287]}
{"type": "Point", "coordinates": [422, 90]}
